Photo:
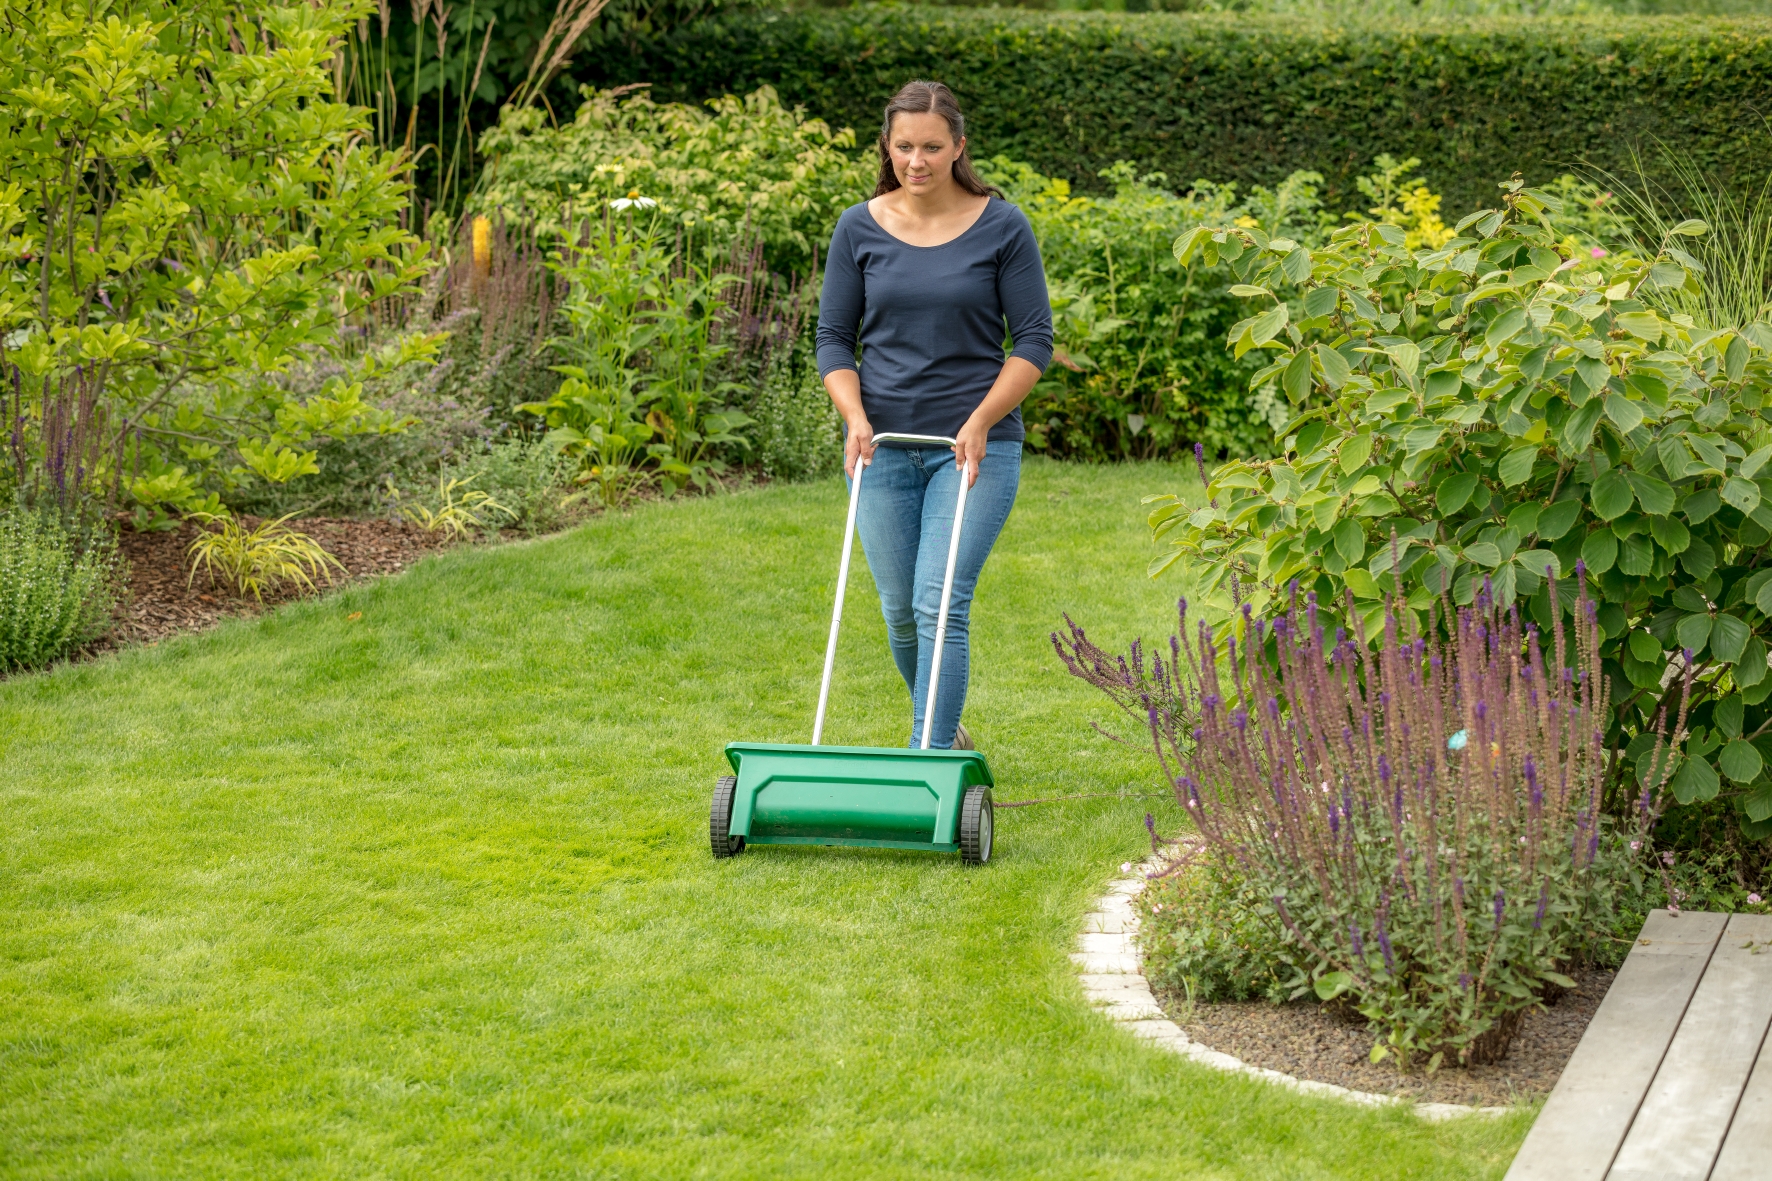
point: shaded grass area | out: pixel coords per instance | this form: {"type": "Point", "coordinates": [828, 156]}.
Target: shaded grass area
{"type": "Point", "coordinates": [428, 891]}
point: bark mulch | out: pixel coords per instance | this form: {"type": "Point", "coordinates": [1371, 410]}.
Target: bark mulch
{"type": "Point", "coordinates": [1331, 1045]}
{"type": "Point", "coordinates": [162, 599]}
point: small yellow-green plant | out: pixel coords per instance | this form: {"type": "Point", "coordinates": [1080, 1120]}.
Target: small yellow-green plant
{"type": "Point", "coordinates": [456, 515]}
{"type": "Point", "coordinates": [252, 560]}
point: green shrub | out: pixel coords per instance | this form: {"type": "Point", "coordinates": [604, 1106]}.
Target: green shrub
{"type": "Point", "coordinates": [1474, 415]}
{"type": "Point", "coordinates": [1248, 99]}
{"type": "Point", "coordinates": [748, 168]}
{"type": "Point", "coordinates": [527, 476]}
{"type": "Point", "coordinates": [1208, 938]}
{"type": "Point", "coordinates": [798, 434]}
{"type": "Point", "coordinates": [56, 588]}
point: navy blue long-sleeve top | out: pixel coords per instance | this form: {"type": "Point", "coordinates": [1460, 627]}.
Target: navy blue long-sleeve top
{"type": "Point", "coordinates": [932, 319]}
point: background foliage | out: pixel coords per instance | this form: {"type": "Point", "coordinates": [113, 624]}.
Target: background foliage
{"type": "Point", "coordinates": [1476, 99]}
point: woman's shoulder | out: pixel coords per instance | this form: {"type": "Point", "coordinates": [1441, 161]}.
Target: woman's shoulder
{"type": "Point", "coordinates": [856, 214]}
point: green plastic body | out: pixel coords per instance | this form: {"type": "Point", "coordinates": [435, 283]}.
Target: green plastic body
{"type": "Point", "coordinates": [852, 795]}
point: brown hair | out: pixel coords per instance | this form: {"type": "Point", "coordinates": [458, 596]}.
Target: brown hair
{"type": "Point", "coordinates": [922, 98]}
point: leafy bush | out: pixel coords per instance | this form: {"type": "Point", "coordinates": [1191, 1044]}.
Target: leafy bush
{"type": "Point", "coordinates": [1247, 98]}
{"type": "Point", "coordinates": [1208, 938]}
{"type": "Point", "coordinates": [1424, 823]}
{"type": "Point", "coordinates": [751, 168]}
{"type": "Point", "coordinates": [178, 246]}
{"type": "Point", "coordinates": [643, 402]}
{"type": "Point", "coordinates": [1494, 409]}
{"type": "Point", "coordinates": [1135, 374]}
{"type": "Point", "coordinates": [56, 588]}
{"type": "Point", "coordinates": [527, 477]}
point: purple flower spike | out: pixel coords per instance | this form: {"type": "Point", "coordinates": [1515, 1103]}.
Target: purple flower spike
{"type": "Point", "coordinates": [1500, 907]}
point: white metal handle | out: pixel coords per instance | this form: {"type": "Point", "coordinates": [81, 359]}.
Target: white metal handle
{"type": "Point", "coordinates": [947, 587]}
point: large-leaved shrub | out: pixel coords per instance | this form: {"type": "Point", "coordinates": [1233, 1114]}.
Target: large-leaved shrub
{"type": "Point", "coordinates": [1500, 408]}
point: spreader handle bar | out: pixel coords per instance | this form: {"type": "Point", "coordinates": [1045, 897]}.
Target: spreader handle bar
{"type": "Point", "coordinates": [947, 586]}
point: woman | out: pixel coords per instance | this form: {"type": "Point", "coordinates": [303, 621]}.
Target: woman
{"type": "Point", "coordinates": [929, 276]}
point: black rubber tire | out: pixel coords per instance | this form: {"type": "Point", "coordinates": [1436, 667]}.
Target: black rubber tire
{"type": "Point", "coordinates": [978, 826]}
{"type": "Point", "coordinates": [720, 819]}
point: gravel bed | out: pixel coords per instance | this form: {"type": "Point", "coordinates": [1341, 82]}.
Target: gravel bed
{"type": "Point", "coordinates": [1320, 1043]}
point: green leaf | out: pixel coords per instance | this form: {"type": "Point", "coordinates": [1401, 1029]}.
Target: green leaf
{"type": "Point", "coordinates": [1355, 452]}
{"type": "Point", "coordinates": [1625, 414]}
{"type": "Point", "coordinates": [1454, 492]}
{"type": "Point", "coordinates": [1636, 556]}
{"type": "Point", "coordinates": [1350, 541]}
{"type": "Point", "coordinates": [1516, 466]}
{"type": "Point", "coordinates": [1578, 429]}
{"type": "Point", "coordinates": [1674, 456]}
{"type": "Point", "coordinates": [1335, 367]}
{"type": "Point", "coordinates": [1332, 984]}
{"type": "Point", "coordinates": [1750, 467]}
{"type": "Point", "coordinates": [1555, 521]}
{"type": "Point", "coordinates": [1693, 632]}
{"type": "Point", "coordinates": [1669, 533]}
{"type": "Point", "coordinates": [1644, 646]}
{"type": "Point", "coordinates": [1656, 497]}
{"type": "Point", "coordinates": [1297, 379]}
{"type": "Point", "coordinates": [1319, 301]}
{"type": "Point", "coordinates": [1268, 324]}
{"type": "Point", "coordinates": [1699, 559]}
{"type": "Point", "coordinates": [1758, 804]}
{"type": "Point", "coordinates": [1249, 291]}
{"type": "Point", "coordinates": [1646, 325]}
{"type": "Point", "coordinates": [1599, 551]}
{"type": "Point", "coordinates": [1361, 583]}
{"type": "Point", "coordinates": [1743, 495]}
{"type": "Point", "coordinates": [1483, 554]}
{"type": "Point", "coordinates": [1727, 715]}
{"type": "Point", "coordinates": [1695, 780]}
{"type": "Point", "coordinates": [1701, 506]}
{"type": "Point", "coordinates": [1750, 669]}
{"type": "Point", "coordinates": [1297, 265]}
{"type": "Point", "coordinates": [1537, 561]}
{"type": "Point", "coordinates": [1740, 761]}
{"type": "Point", "coordinates": [1506, 326]}
{"type": "Point", "coordinates": [1728, 636]}
{"type": "Point", "coordinates": [1691, 228]}
{"type": "Point", "coordinates": [1612, 495]}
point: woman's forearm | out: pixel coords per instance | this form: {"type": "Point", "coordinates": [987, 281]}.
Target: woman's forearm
{"type": "Point", "coordinates": [1013, 384]}
{"type": "Point", "coordinates": [844, 387]}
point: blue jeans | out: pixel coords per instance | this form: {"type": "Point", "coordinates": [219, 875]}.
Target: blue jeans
{"type": "Point", "coordinates": [905, 520]}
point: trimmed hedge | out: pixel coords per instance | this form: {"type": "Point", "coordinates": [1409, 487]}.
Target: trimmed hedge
{"type": "Point", "coordinates": [1248, 99]}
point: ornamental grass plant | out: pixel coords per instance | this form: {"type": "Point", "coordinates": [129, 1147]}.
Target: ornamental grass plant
{"type": "Point", "coordinates": [1418, 826]}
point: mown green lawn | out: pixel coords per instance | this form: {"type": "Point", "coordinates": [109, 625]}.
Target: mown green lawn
{"type": "Point", "coordinates": [427, 892]}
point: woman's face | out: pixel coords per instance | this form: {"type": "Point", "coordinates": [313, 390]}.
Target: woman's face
{"type": "Point", "coordinates": [923, 152]}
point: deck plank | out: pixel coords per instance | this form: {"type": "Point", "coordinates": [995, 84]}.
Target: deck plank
{"type": "Point", "coordinates": [1589, 1112]}
{"type": "Point", "coordinates": [1747, 1150]}
{"type": "Point", "coordinates": [1684, 1117]}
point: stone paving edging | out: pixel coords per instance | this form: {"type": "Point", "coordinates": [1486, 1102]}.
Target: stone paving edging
{"type": "Point", "coordinates": [1107, 957]}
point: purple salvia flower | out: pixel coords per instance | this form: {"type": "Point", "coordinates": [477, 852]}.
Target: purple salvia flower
{"type": "Point", "coordinates": [1500, 907]}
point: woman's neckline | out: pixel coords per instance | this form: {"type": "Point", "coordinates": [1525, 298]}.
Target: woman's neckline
{"type": "Point", "coordinates": [869, 207]}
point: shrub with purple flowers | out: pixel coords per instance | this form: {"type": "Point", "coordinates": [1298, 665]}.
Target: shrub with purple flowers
{"type": "Point", "coordinates": [1423, 821]}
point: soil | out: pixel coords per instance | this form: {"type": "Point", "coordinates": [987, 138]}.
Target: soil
{"type": "Point", "coordinates": [1329, 1044]}
{"type": "Point", "coordinates": [162, 599]}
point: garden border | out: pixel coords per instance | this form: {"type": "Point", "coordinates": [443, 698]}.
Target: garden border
{"type": "Point", "coordinates": [1113, 981]}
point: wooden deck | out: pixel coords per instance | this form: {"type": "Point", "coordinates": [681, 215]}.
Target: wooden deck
{"type": "Point", "coordinates": [1673, 1079]}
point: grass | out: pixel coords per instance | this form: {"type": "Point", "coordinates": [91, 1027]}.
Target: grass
{"type": "Point", "coordinates": [426, 890]}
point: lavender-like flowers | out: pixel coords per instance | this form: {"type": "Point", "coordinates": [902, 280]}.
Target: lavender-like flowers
{"type": "Point", "coordinates": [1409, 792]}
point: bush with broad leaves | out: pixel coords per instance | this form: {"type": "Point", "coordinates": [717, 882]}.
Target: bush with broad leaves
{"type": "Point", "coordinates": [1495, 408]}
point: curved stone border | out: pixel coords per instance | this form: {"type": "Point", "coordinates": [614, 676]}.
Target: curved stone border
{"type": "Point", "coordinates": [1108, 959]}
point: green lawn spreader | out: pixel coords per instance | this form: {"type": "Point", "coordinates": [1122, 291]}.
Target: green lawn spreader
{"type": "Point", "coordinates": [938, 801]}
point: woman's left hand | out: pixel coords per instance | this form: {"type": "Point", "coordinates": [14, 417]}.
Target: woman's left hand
{"type": "Point", "coordinates": [969, 452]}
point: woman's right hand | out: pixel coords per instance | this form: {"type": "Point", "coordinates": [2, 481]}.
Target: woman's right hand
{"type": "Point", "coordinates": [858, 443]}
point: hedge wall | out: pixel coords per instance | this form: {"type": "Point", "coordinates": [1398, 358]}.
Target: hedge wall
{"type": "Point", "coordinates": [1241, 98]}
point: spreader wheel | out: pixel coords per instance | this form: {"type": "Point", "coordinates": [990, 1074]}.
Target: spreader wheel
{"type": "Point", "coordinates": [977, 825]}
{"type": "Point", "coordinates": [720, 819]}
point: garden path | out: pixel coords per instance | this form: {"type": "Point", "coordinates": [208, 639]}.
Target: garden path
{"type": "Point", "coordinates": [1673, 1079]}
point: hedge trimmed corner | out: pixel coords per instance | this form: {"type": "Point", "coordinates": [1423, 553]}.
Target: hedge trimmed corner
{"type": "Point", "coordinates": [1248, 99]}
